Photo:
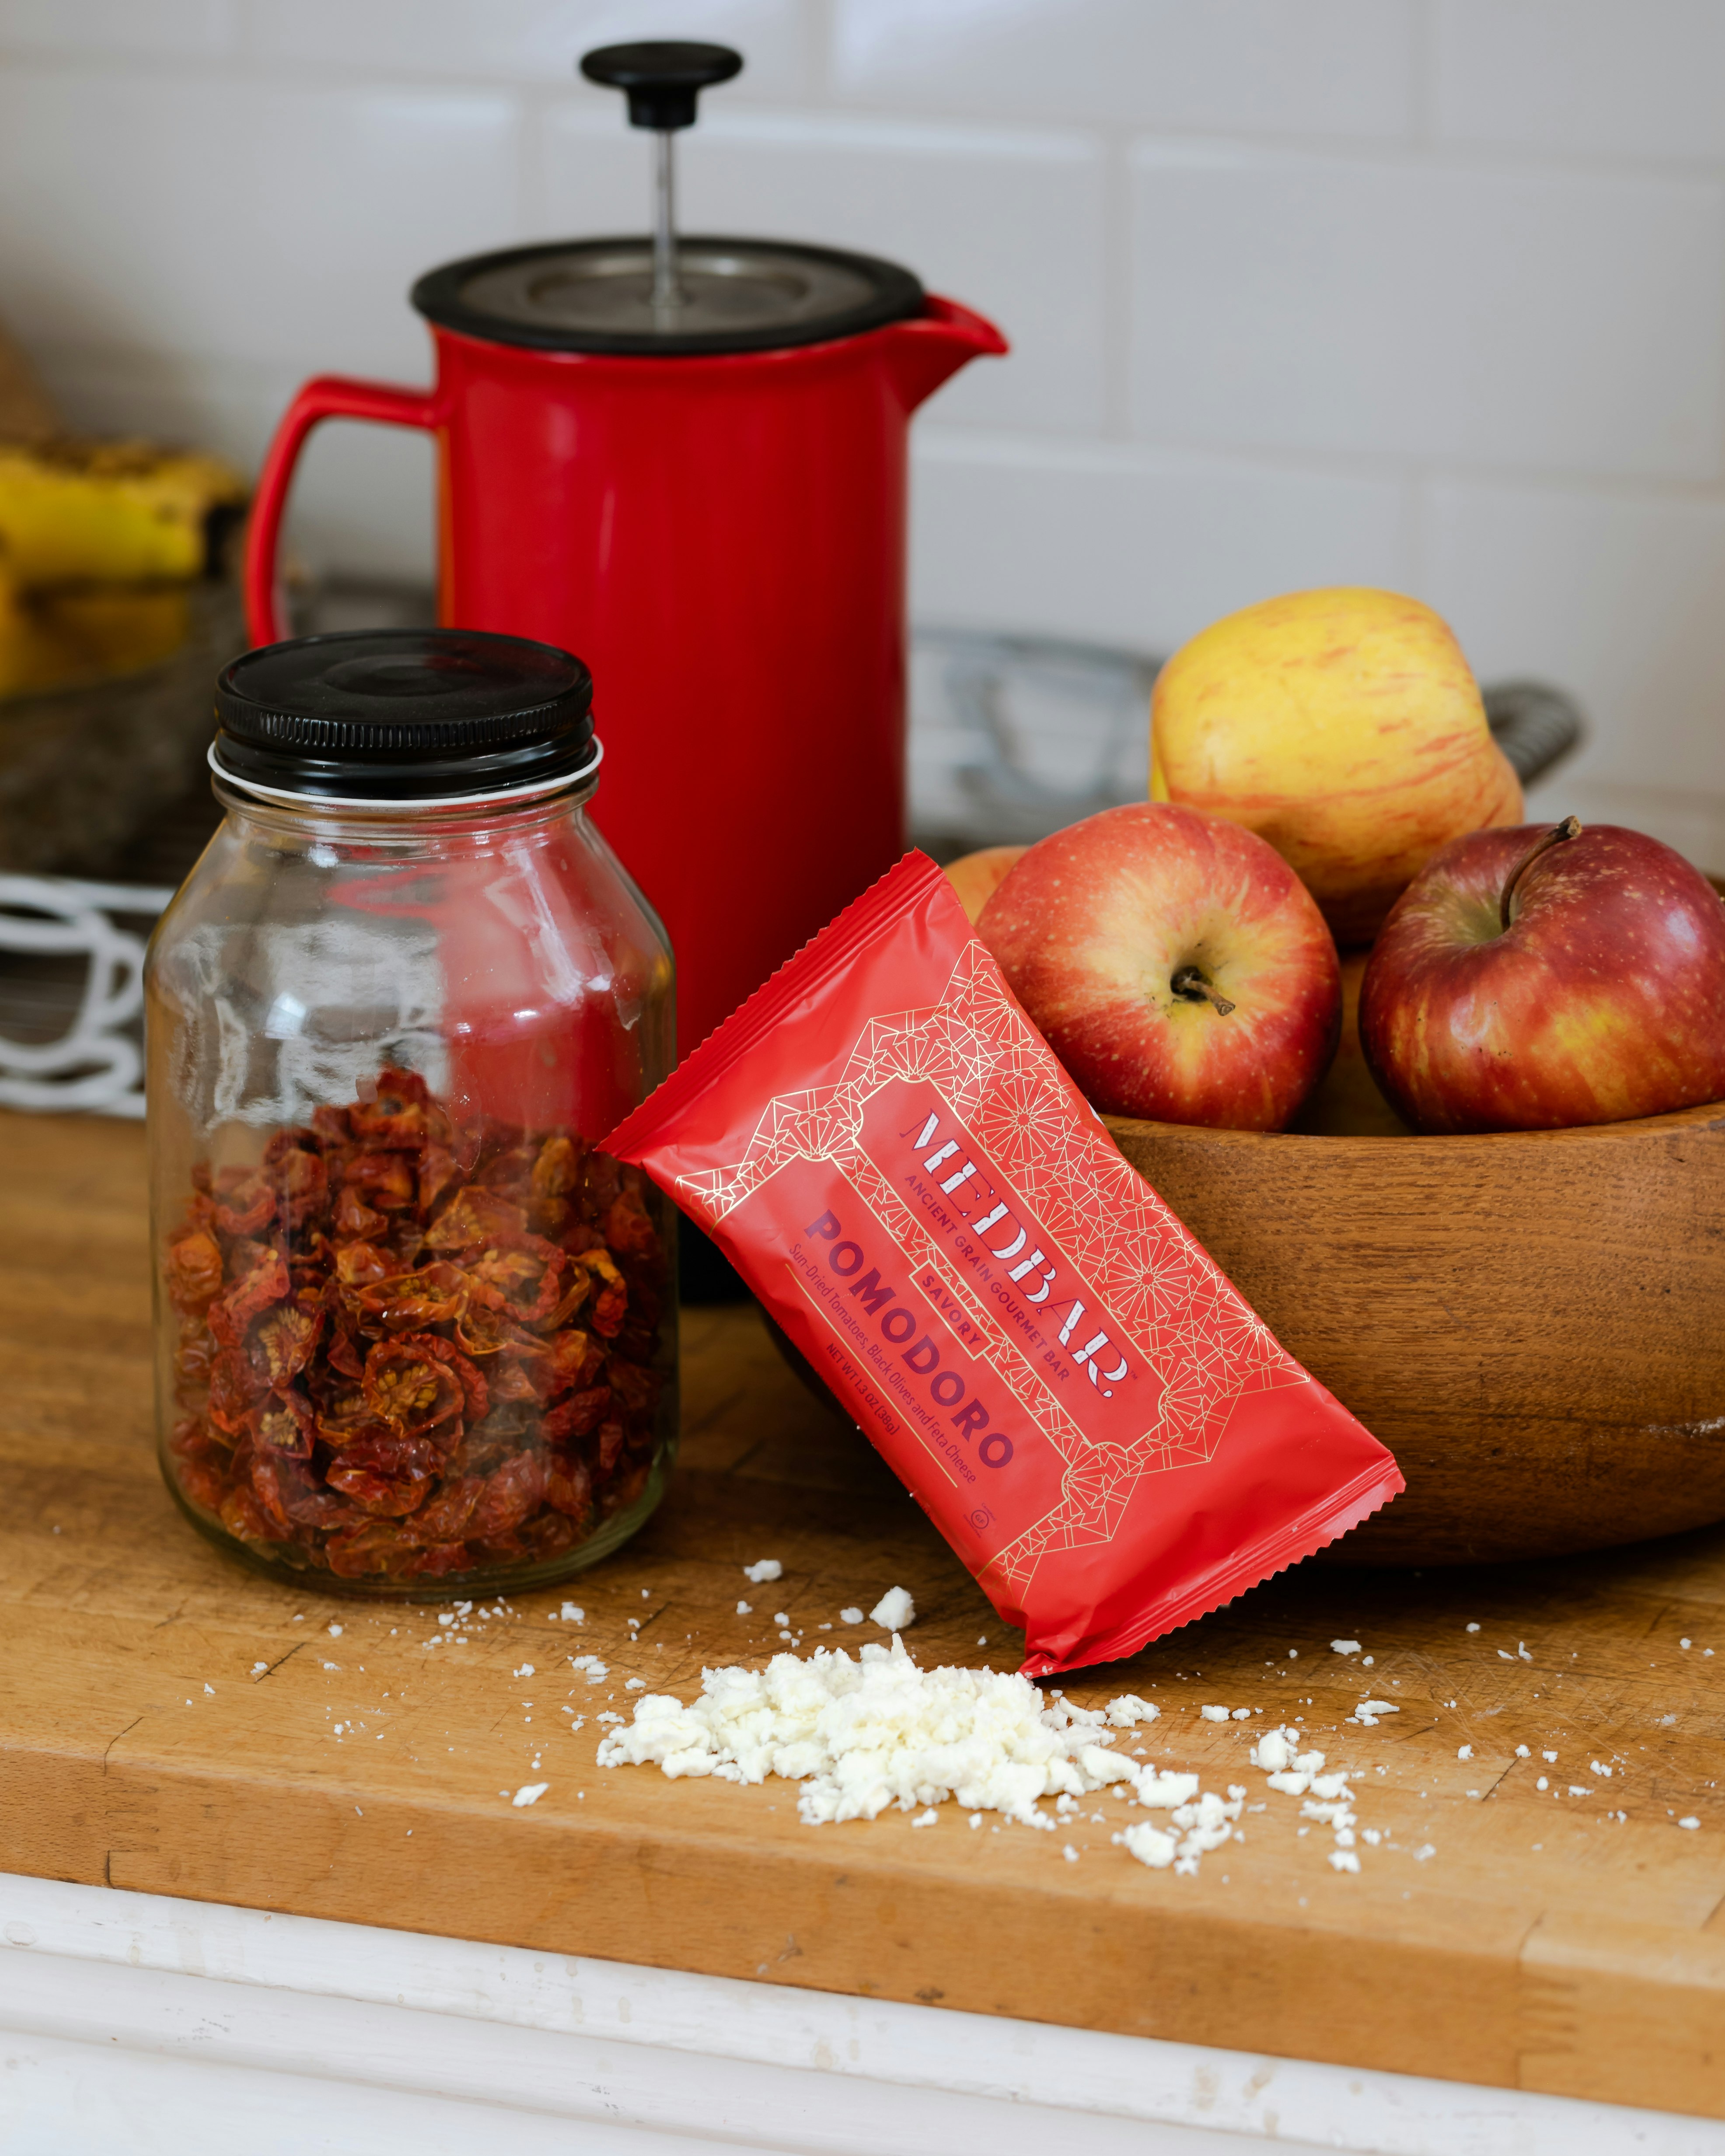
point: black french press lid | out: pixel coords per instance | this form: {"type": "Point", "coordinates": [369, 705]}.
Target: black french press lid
{"type": "Point", "coordinates": [403, 714]}
{"type": "Point", "coordinates": [664, 294]}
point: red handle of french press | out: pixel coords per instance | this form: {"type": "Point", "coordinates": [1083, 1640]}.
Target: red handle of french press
{"type": "Point", "coordinates": [326, 397]}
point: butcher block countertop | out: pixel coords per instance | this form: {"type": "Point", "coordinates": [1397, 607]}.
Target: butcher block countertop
{"type": "Point", "coordinates": [170, 1722]}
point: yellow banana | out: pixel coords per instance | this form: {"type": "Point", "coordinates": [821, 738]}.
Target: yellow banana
{"type": "Point", "coordinates": [70, 639]}
{"type": "Point", "coordinates": [109, 512]}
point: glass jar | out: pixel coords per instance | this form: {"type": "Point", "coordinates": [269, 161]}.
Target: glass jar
{"type": "Point", "coordinates": [414, 1334]}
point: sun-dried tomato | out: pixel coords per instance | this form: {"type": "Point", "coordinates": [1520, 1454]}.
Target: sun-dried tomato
{"type": "Point", "coordinates": [410, 1389]}
{"type": "Point", "coordinates": [568, 1485]}
{"type": "Point", "coordinates": [411, 1302]}
{"type": "Point", "coordinates": [384, 1474]}
{"type": "Point", "coordinates": [628, 1230]}
{"type": "Point", "coordinates": [384, 1180]}
{"type": "Point", "coordinates": [282, 1341]}
{"type": "Point", "coordinates": [526, 1272]}
{"type": "Point", "coordinates": [285, 1423]}
{"type": "Point", "coordinates": [246, 1203]}
{"type": "Point", "coordinates": [194, 1270]}
{"type": "Point", "coordinates": [379, 1357]}
{"type": "Point", "coordinates": [302, 1183]}
{"type": "Point", "coordinates": [516, 1490]}
{"type": "Point", "coordinates": [579, 1414]}
{"type": "Point", "coordinates": [259, 1275]}
{"type": "Point", "coordinates": [235, 1387]}
{"type": "Point", "coordinates": [475, 1219]}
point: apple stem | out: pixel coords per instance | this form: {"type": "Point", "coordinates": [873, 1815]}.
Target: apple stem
{"type": "Point", "coordinates": [1191, 986]}
{"type": "Point", "coordinates": [1570, 828]}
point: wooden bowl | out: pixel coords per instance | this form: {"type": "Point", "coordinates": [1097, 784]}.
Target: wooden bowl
{"type": "Point", "coordinates": [1533, 1322]}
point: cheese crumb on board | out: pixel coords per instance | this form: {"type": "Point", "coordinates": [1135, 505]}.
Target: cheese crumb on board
{"type": "Point", "coordinates": [529, 1794]}
{"type": "Point", "coordinates": [852, 1616]}
{"type": "Point", "coordinates": [894, 1612]}
{"type": "Point", "coordinates": [1344, 1646]}
{"type": "Point", "coordinates": [769, 1568]}
{"type": "Point", "coordinates": [1215, 1713]}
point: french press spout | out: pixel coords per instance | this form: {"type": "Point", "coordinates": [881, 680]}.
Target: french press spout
{"type": "Point", "coordinates": [662, 79]}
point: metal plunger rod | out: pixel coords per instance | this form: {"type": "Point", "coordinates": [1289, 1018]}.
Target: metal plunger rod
{"type": "Point", "coordinates": [662, 80]}
{"type": "Point", "coordinates": [666, 291]}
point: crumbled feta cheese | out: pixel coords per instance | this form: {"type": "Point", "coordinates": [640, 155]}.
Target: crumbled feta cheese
{"type": "Point", "coordinates": [1344, 1646]}
{"type": "Point", "coordinates": [334, 1632]}
{"type": "Point", "coordinates": [1473, 1628]}
{"type": "Point", "coordinates": [1148, 1843]}
{"type": "Point", "coordinates": [1344, 1859]}
{"type": "Point", "coordinates": [894, 1612]}
{"type": "Point", "coordinates": [1577, 1790]}
{"type": "Point", "coordinates": [1686, 1643]}
{"type": "Point", "coordinates": [572, 1613]}
{"type": "Point", "coordinates": [1426, 1849]}
{"type": "Point", "coordinates": [1522, 1753]}
{"type": "Point", "coordinates": [1690, 1822]}
{"type": "Point", "coordinates": [1068, 1851]}
{"type": "Point", "coordinates": [595, 1672]}
{"type": "Point", "coordinates": [1594, 1767]}
{"type": "Point", "coordinates": [525, 1670]}
{"type": "Point", "coordinates": [863, 1734]}
{"type": "Point", "coordinates": [1464, 1752]}
{"type": "Point", "coordinates": [258, 1667]}
{"type": "Point", "coordinates": [745, 1608]}
{"type": "Point", "coordinates": [530, 1793]}
{"type": "Point", "coordinates": [929, 1818]}
{"type": "Point", "coordinates": [1274, 1750]}
{"type": "Point", "coordinates": [1213, 1713]}
{"type": "Point", "coordinates": [1368, 1710]}
{"type": "Point", "coordinates": [852, 1616]}
{"type": "Point", "coordinates": [1549, 1758]}
{"type": "Point", "coordinates": [780, 1617]}
{"type": "Point", "coordinates": [1544, 1782]}
{"type": "Point", "coordinates": [1160, 1791]}
{"type": "Point", "coordinates": [769, 1568]}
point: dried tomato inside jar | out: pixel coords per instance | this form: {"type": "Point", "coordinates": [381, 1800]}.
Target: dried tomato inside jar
{"type": "Point", "coordinates": [414, 1333]}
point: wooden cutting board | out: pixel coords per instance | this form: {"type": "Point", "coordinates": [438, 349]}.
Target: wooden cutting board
{"type": "Point", "coordinates": [170, 1722]}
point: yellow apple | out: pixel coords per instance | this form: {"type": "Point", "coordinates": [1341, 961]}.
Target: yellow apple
{"type": "Point", "coordinates": [976, 877]}
{"type": "Point", "coordinates": [1344, 726]}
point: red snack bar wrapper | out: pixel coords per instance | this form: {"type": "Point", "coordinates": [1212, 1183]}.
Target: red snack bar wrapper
{"type": "Point", "coordinates": [888, 1152]}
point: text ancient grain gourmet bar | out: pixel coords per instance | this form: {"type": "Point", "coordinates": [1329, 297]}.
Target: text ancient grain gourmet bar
{"type": "Point", "coordinates": [888, 1152]}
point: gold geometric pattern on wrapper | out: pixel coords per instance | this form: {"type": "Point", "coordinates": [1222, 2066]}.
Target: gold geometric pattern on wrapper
{"type": "Point", "coordinates": [1127, 1254]}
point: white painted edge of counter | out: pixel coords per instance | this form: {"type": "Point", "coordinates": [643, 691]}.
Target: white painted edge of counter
{"type": "Point", "coordinates": [302, 2005]}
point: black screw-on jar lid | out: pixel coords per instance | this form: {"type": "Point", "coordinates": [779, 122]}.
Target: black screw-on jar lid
{"type": "Point", "coordinates": [386, 714]}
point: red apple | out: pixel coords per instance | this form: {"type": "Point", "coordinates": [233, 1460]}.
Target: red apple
{"type": "Point", "coordinates": [1178, 967]}
{"type": "Point", "coordinates": [976, 877]}
{"type": "Point", "coordinates": [1530, 978]}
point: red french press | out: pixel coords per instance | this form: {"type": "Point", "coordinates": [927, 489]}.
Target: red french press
{"type": "Point", "coordinates": [686, 460]}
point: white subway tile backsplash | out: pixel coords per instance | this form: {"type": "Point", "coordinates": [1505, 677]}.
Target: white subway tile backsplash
{"type": "Point", "coordinates": [277, 225]}
{"type": "Point", "coordinates": [1589, 77]}
{"type": "Point", "coordinates": [1324, 67]}
{"type": "Point", "coordinates": [1010, 223]}
{"type": "Point", "coordinates": [175, 28]}
{"type": "Point", "coordinates": [1544, 321]}
{"type": "Point", "coordinates": [535, 40]}
{"type": "Point", "coordinates": [1616, 598]}
{"type": "Point", "coordinates": [1132, 547]}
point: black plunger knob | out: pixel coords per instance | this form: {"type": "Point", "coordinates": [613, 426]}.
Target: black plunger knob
{"type": "Point", "coordinates": [661, 79]}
